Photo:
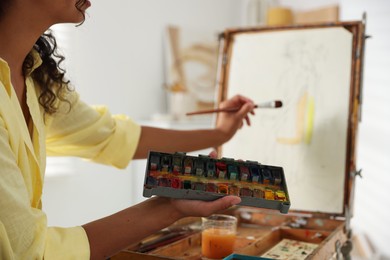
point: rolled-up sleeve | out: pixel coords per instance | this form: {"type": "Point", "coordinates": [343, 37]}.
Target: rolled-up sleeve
{"type": "Point", "coordinates": [92, 133]}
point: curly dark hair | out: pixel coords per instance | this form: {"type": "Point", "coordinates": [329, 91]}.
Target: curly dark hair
{"type": "Point", "coordinates": [49, 76]}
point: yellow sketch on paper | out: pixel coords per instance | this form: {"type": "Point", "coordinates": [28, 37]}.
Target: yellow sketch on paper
{"type": "Point", "coordinates": [309, 121]}
{"type": "Point", "coordinates": [304, 122]}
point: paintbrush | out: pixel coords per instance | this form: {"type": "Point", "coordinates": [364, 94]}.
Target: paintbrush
{"type": "Point", "coordinates": [270, 104]}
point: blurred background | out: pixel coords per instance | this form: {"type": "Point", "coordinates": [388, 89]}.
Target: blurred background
{"type": "Point", "coordinates": [154, 60]}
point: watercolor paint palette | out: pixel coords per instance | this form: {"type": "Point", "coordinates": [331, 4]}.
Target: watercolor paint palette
{"type": "Point", "coordinates": [201, 177]}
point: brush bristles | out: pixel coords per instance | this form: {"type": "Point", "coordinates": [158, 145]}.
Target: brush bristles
{"type": "Point", "coordinates": [271, 104]}
{"type": "Point", "coordinates": [278, 103]}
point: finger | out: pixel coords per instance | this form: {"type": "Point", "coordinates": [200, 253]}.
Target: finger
{"type": "Point", "coordinates": [245, 109]}
{"type": "Point", "coordinates": [213, 154]}
{"type": "Point", "coordinates": [248, 121]}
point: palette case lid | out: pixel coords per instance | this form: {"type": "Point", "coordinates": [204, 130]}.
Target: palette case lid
{"type": "Point", "coordinates": [316, 70]}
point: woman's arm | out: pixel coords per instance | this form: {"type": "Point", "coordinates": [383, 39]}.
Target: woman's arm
{"type": "Point", "coordinates": [109, 235]}
{"type": "Point", "coordinates": [167, 140]}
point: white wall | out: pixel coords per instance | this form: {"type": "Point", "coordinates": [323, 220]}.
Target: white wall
{"type": "Point", "coordinates": [116, 57]}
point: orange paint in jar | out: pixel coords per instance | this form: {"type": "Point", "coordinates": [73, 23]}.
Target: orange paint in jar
{"type": "Point", "coordinates": [218, 236]}
{"type": "Point", "coordinates": [217, 243]}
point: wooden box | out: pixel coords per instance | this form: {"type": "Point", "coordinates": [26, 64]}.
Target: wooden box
{"type": "Point", "coordinates": [316, 71]}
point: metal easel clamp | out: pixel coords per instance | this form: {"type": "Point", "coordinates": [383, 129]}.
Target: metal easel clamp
{"type": "Point", "coordinates": [337, 255]}
{"type": "Point", "coordinates": [364, 37]}
{"type": "Point", "coordinates": [348, 217]}
{"type": "Point", "coordinates": [346, 248]}
{"type": "Point", "coordinates": [357, 173]}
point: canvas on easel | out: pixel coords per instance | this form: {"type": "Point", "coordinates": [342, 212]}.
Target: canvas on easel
{"type": "Point", "coordinates": [309, 71]}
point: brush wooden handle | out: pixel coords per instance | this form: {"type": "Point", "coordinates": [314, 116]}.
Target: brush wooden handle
{"type": "Point", "coordinates": [218, 110]}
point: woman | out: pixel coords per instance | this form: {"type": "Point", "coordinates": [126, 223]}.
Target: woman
{"type": "Point", "coordinates": [40, 115]}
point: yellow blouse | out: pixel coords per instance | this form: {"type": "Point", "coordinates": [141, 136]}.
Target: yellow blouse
{"type": "Point", "coordinates": [84, 131]}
